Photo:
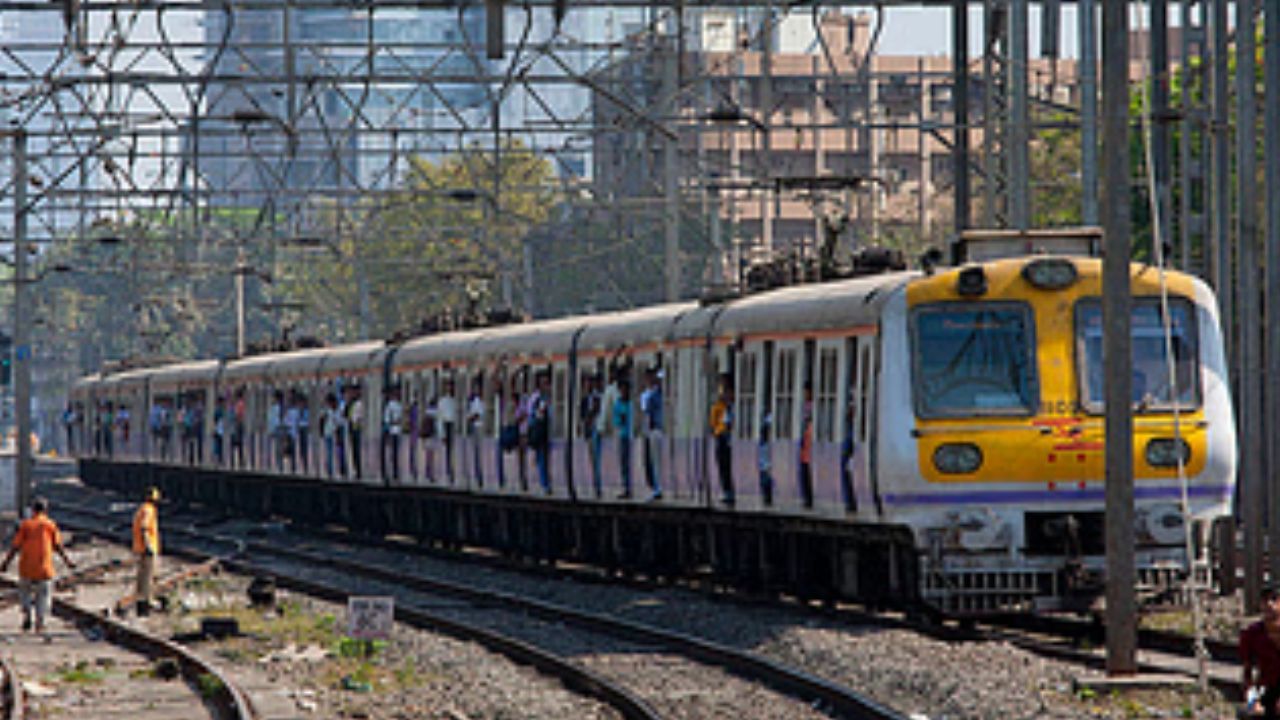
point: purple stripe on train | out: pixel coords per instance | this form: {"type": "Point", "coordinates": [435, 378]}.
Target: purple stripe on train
{"type": "Point", "coordinates": [1034, 496]}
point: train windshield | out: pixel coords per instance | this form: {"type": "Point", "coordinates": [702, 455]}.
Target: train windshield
{"type": "Point", "coordinates": [974, 359]}
{"type": "Point", "coordinates": [1152, 389]}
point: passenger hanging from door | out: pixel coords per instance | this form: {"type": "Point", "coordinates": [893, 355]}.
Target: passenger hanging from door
{"type": "Point", "coordinates": [721, 423]}
{"type": "Point", "coordinates": [651, 406]}
{"type": "Point", "coordinates": [806, 448]}
{"type": "Point", "coordinates": [847, 451]}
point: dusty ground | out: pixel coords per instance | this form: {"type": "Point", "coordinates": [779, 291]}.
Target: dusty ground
{"type": "Point", "coordinates": [297, 658]}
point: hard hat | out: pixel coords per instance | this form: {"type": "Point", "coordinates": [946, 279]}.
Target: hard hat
{"type": "Point", "coordinates": [153, 493]}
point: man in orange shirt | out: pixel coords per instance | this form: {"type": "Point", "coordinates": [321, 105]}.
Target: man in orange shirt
{"type": "Point", "coordinates": [35, 541]}
{"type": "Point", "coordinates": [146, 545]}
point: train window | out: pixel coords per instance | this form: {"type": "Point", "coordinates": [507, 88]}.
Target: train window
{"type": "Point", "coordinates": [747, 372]}
{"type": "Point", "coordinates": [825, 397]}
{"type": "Point", "coordinates": [1152, 389]}
{"type": "Point", "coordinates": [785, 399]}
{"type": "Point", "coordinates": [973, 359]}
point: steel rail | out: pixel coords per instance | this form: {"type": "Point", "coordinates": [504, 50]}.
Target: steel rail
{"type": "Point", "coordinates": [797, 683]}
{"type": "Point", "coordinates": [574, 677]}
{"type": "Point", "coordinates": [842, 701]}
{"type": "Point", "coordinates": [1019, 630]}
{"type": "Point", "coordinates": [227, 697]}
{"type": "Point", "coordinates": [15, 705]}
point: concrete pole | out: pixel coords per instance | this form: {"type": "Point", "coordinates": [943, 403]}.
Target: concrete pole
{"type": "Point", "coordinates": [990, 124]}
{"type": "Point", "coordinates": [1220, 173]}
{"type": "Point", "coordinates": [1088, 112]}
{"type": "Point", "coordinates": [960, 111]}
{"type": "Point", "coordinates": [925, 183]}
{"type": "Point", "coordinates": [1019, 121]}
{"type": "Point", "coordinates": [1251, 492]}
{"type": "Point", "coordinates": [1117, 343]}
{"type": "Point", "coordinates": [766, 118]}
{"type": "Point", "coordinates": [240, 271]}
{"type": "Point", "coordinates": [671, 169]}
{"type": "Point", "coordinates": [21, 331]}
{"type": "Point", "coordinates": [495, 30]}
{"type": "Point", "coordinates": [1187, 127]}
{"type": "Point", "coordinates": [1271, 151]}
{"type": "Point", "coordinates": [1160, 113]}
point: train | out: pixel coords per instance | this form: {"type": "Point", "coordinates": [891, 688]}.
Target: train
{"type": "Point", "coordinates": [960, 406]}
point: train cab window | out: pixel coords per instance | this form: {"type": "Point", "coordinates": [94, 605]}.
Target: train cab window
{"type": "Point", "coordinates": [748, 364]}
{"type": "Point", "coordinates": [1151, 387]}
{"type": "Point", "coordinates": [973, 359]}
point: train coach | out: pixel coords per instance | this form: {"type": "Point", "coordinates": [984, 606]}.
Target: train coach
{"type": "Point", "coordinates": [954, 417]}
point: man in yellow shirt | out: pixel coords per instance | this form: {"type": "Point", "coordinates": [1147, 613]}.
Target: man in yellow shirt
{"type": "Point", "coordinates": [721, 422]}
{"type": "Point", "coordinates": [146, 545]}
{"type": "Point", "coordinates": [36, 540]}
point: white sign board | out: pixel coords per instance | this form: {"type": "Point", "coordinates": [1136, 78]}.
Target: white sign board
{"type": "Point", "coordinates": [370, 617]}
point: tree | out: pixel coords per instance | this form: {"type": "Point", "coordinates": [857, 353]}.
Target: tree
{"type": "Point", "coordinates": [440, 243]}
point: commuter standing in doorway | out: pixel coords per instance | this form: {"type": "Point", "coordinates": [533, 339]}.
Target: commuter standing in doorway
{"type": "Point", "coordinates": [721, 423]}
{"type": "Point", "coordinates": [651, 406]}
{"type": "Point", "coordinates": [622, 421]}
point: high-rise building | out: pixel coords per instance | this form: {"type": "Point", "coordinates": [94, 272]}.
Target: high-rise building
{"type": "Point", "coordinates": [333, 101]}
{"type": "Point", "coordinates": [821, 132]}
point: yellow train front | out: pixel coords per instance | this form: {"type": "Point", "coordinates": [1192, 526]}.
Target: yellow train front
{"type": "Point", "coordinates": [992, 447]}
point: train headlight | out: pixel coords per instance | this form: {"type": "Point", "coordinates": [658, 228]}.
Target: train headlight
{"type": "Point", "coordinates": [1165, 452]}
{"type": "Point", "coordinates": [1050, 273]}
{"type": "Point", "coordinates": [957, 458]}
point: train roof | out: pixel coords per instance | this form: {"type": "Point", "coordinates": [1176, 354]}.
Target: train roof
{"type": "Point", "coordinates": [175, 377]}
{"type": "Point", "coordinates": [442, 348]}
{"type": "Point", "coordinates": [819, 307]}
{"type": "Point", "coordinates": [638, 327]}
{"type": "Point", "coordinates": [540, 340]}
{"type": "Point", "coordinates": [126, 379]}
{"type": "Point", "coordinates": [85, 383]}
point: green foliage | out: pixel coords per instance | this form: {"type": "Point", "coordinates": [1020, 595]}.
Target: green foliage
{"type": "Point", "coordinates": [209, 685]}
{"type": "Point", "coordinates": [349, 647]}
{"type": "Point", "coordinates": [443, 241]}
{"type": "Point", "coordinates": [82, 673]}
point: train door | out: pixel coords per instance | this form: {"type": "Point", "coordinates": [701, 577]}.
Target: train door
{"type": "Point", "coordinates": [747, 422]}
{"type": "Point", "coordinates": [578, 462]}
{"type": "Point", "coordinates": [432, 392]}
{"type": "Point", "coordinates": [645, 471]}
{"type": "Point", "coordinates": [826, 378]}
{"type": "Point", "coordinates": [689, 412]}
{"type": "Point", "coordinates": [491, 424]}
{"type": "Point", "coordinates": [558, 406]}
{"type": "Point", "coordinates": [786, 408]}
{"type": "Point", "coordinates": [862, 463]}
{"type": "Point", "coordinates": [473, 423]}
{"type": "Point", "coordinates": [851, 452]}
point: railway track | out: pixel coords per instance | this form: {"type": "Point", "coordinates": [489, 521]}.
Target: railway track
{"type": "Point", "coordinates": [618, 657]}
{"type": "Point", "coordinates": [207, 687]}
{"type": "Point", "coordinates": [12, 704]}
{"type": "Point", "coordinates": [1063, 638]}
